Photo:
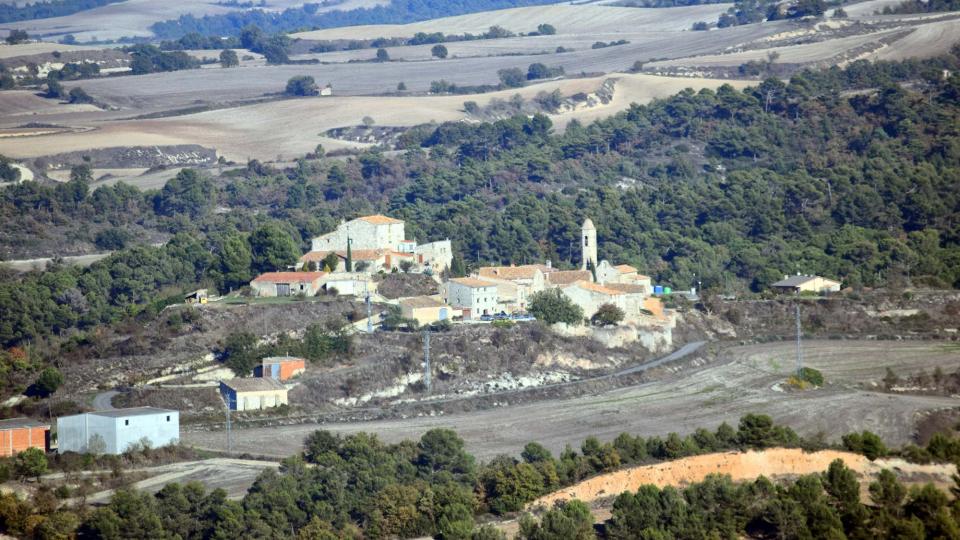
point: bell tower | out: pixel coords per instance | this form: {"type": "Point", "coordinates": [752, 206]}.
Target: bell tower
{"type": "Point", "coordinates": [588, 244]}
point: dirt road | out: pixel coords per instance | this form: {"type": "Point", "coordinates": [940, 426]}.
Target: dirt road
{"type": "Point", "coordinates": [745, 380]}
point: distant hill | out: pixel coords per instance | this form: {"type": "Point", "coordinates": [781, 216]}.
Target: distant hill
{"type": "Point", "coordinates": [308, 17]}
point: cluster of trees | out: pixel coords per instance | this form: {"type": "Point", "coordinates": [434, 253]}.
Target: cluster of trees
{"type": "Point", "coordinates": [542, 71]}
{"type": "Point", "coordinates": [274, 48]}
{"type": "Point", "coordinates": [752, 11]}
{"type": "Point", "coordinates": [320, 343]}
{"type": "Point", "coordinates": [8, 173]}
{"type": "Point", "coordinates": [309, 16]}
{"type": "Point", "coordinates": [302, 85]}
{"type": "Point", "coordinates": [17, 36]}
{"type": "Point", "coordinates": [355, 486]}
{"type": "Point", "coordinates": [150, 59]}
{"type": "Point", "coordinates": [55, 90]}
{"type": "Point", "coordinates": [75, 70]}
{"type": "Point", "coordinates": [664, 3]}
{"type": "Point", "coordinates": [605, 44]}
{"type": "Point", "coordinates": [44, 9]}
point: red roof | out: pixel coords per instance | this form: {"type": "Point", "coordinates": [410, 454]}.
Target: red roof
{"type": "Point", "coordinates": [289, 277]}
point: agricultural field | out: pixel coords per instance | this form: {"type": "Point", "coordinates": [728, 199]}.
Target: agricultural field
{"type": "Point", "coordinates": [293, 127]}
{"type": "Point", "coordinates": [747, 379]}
{"type": "Point", "coordinates": [133, 18]}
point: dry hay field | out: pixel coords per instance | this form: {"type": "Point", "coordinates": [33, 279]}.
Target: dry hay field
{"type": "Point", "coordinates": [39, 47]}
{"type": "Point", "coordinates": [290, 128]}
{"type": "Point", "coordinates": [929, 39]}
{"type": "Point", "coordinates": [743, 380]}
{"type": "Point", "coordinates": [588, 20]}
{"type": "Point", "coordinates": [743, 466]}
{"type": "Point", "coordinates": [134, 17]}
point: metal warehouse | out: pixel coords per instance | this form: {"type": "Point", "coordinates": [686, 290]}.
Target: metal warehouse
{"type": "Point", "coordinates": [18, 434]}
{"type": "Point", "coordinates": [113, 432]}
{"type": "Point", "coordinates": [253, 394]}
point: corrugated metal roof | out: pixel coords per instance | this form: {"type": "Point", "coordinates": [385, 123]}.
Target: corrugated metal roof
{"type": "Point", "coordinates": [132, 411]}
{"type": "Point", "coordinates": [277, 359]}
{"type": "Point", "coordinates": [256, 384]}
{"type": "Point", "coordinates": [794, 281]}
{"type": "Point", "coordinates": [15, 423]}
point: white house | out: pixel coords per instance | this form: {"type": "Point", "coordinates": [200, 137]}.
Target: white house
{"type": "Point", "coordinates": [472, 296]}
{"type": "Point", "coordinates": [515, 284]}
{"type": "Point", "coordinates": [113, 432]}
{"type": "Point", "coordinates": [438, 256]}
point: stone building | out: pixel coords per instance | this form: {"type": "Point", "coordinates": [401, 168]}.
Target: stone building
{"type": "Point", "coordinates": [474, 297]}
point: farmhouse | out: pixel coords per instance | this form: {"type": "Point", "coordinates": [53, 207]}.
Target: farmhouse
{"type": "Point", "coordinates": [287, 283]}
{"type": "Point", "coordinates": [474, 297]}
{"type": "Point", "coordinates": [253, 394]}
{"type": "Point", "coordinates": [801, 283]}
{"type": "Point", "coordinates": [18, 434]}
{"type": "Point", "coordinates": [426, 310]}
{"type": "Point", "coordinates": [515, 284]}
{"type": "Point", "coordinates": [114, 432]}
{"type": "Point", "coordinates": [280, 368]}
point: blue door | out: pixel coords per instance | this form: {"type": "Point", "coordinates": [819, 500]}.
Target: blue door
{"type": "Point", "coordinates": [443, 314]}
{"type": "Point", "coordinates": [274, 371]}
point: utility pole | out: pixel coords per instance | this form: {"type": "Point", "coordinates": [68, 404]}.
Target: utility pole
{"type": "Point", "coordinates": [426, 360]}
{"type": "Point", "coordinates": [369, 311]}
{"type": "Point", "coordinates": [799, 349]}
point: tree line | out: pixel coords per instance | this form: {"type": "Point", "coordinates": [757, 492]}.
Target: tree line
{"type": "Point", "coordinates": [308, 17]}
{"type": "Point", "coordinates": [14, 11]}
{"type": "Point", "coordinates": [356, 486]}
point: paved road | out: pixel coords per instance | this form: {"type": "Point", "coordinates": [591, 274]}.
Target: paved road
{"type": "Point", "coordinates": [104, 400]}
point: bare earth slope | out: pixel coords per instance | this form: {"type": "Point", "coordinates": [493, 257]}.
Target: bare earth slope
{"type": "Point", "coordinates": [744, 380]}
{"type": "Point", "coordinates": [740, 466]}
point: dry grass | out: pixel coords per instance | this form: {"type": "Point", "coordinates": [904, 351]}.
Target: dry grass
{"type": "Point", "coordinates": [27, 49]}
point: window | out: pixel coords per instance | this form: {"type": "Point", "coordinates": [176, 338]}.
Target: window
{"type": "Point", "coordinates": [586, 240]}
{"type": "Point", "coordinates": [126, 422]}
{"type": "Point", "coordinates": [168, 418]}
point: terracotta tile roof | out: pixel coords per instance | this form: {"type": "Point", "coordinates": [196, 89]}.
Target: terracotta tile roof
{"type": "Point", "coordinates": [628, 288]}
{"type": "Point", "coordinates": [597, 288]}
{"type": "Point", "coordinates": [625, 268]}
{"type": "Point", "coordinates": [379, 219]}
{"type": "Point", "coordinates": [402, 254]}
{"type": "Point", "coordinates": [289, 277]}
{"type": "Point", "coordinates": [421, 302]}
{"type": "Point", "coordinates": [20, 423]}
{"type": "Point", "coordinates": [526, 271]}
{"type": "Point", "coordinates": [473, 283]}
{"type": "Point", "coordinates": [566, 277]}
{"type": "Point", "coordinates": [255, 384]}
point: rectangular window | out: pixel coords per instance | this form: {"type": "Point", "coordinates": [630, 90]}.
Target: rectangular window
{"type": "Point", "coordinates": [168, 418]}
{"type": "Point", "coordinates": [126, 422]}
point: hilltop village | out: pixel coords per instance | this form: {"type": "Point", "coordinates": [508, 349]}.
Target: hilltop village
{"type": "Point", "coordinates": [348, 260]}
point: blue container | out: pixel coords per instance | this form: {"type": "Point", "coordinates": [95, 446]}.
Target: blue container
{"type": "Point", "coordinates": [658, 289]}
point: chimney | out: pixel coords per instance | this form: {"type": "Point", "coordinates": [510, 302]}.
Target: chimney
{"type": "Point", "coordinates": [549, 264]}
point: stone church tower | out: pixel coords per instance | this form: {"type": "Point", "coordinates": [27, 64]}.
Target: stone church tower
{"type": "Point", "coordinates": [588, 244]}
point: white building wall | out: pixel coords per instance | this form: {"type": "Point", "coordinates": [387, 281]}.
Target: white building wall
{"type": "Point", "coordinates": [160, 429]}
{"type": "Point", "coordinates": [437, 255]}
{"type": "Point", "coordinates": [477, 299]}
{"type": "Point", "coordinates": [118, 433]}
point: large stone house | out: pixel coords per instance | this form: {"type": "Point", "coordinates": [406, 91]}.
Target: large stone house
{"type": "Point", "coordinates": [515, 284]}
{"type": "Point", "coordinates": [287, 283]}
{"type": "Point", "coordinates": [381, 242]}
{"type": "Point", "coordinates": [590, 296]}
